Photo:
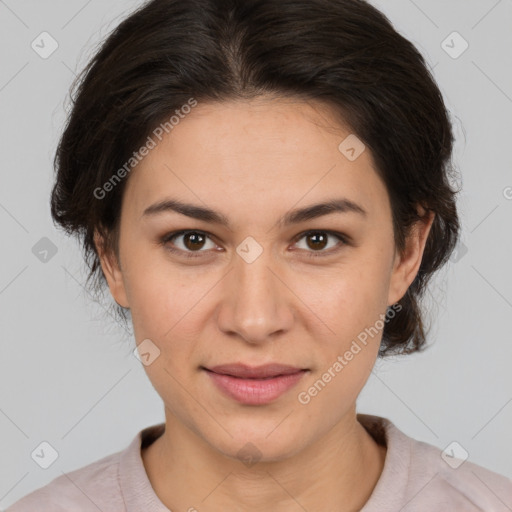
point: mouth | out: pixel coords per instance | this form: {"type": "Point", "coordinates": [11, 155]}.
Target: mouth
{"type": "Point", "coordinates": [243, 371]}
{"type": "Point", "coordinates": [254, 385]}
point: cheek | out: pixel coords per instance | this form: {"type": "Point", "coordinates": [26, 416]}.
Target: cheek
{"type": "Point", "coordinates": [348, 298]}
{"type": "Point", "coordinates": [158, 292]}
{"type": "Point", "coordinates": [351, 306]}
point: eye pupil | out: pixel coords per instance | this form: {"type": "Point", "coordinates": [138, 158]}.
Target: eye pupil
{"type": "Point", "coordinates": [193, 240]}
{"type": "Point", "coordinates": [320, 240]}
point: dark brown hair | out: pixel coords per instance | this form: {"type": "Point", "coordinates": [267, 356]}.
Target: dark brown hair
{"type": "Point", "coordinates": [342, 52]}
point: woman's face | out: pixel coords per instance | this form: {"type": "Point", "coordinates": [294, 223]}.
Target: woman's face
{"type": "Point", "coordinates": [259, 289]}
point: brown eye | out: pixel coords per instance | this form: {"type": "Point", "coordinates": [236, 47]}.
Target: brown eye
{"type": "Point", "coordinates": [318, 241]}
{"type": "Point", "coordinates": [193, 241]}
{"type": "Point", "coordinates": [188, 243]}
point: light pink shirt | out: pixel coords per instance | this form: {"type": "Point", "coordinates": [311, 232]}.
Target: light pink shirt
{"type": "Point", "coordinates": [415, 478]}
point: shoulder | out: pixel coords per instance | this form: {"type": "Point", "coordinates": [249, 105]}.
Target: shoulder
{"type": "Point", "coordinates": [420, 477]}
{"type": "Point", "coordinates": [90, 488]}
{"type": "Point", "coordinates": [446, 478]}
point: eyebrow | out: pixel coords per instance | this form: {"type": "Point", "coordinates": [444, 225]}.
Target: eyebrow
{"type": "Point", "coordinates": [340, 205]}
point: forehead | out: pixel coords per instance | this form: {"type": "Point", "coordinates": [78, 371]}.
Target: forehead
{"type": "Point", "coordinates": [269, 154]}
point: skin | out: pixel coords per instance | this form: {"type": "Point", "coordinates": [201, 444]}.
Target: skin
{"type": "Point", "coordinates": [254, 161]}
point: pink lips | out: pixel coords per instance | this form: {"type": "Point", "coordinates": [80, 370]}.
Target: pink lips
{"type": "Point", "coordinates": [255, 385]}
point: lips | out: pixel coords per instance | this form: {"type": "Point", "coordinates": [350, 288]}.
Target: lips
{"type": "Point", "coordinates": [244, 371]}
{"type": "Point", "coordinates": [254, 385]}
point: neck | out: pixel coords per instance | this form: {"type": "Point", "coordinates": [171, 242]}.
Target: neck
{"type": "Point", "coordinates": [337, 472]}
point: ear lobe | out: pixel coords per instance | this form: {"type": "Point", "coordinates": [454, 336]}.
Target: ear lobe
{"type": "Point", "coordinates": [408, 262]}
{"type": "Point", "coordinates": [112, 271]}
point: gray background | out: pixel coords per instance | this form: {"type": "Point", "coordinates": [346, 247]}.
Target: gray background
{"type": "Point", "coordinates": [68, 375]}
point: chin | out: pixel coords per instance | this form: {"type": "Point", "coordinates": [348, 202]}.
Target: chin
{"type": "Point", "coordinates": [258, 446]}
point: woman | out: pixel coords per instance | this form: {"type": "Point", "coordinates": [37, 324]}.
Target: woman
{"type": "Point", "coordinates": [264, 187]}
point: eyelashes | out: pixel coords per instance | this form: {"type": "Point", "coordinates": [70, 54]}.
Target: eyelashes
{"type": "Point", "coordinates": [185, 252]}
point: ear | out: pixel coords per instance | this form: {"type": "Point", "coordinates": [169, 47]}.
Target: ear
{"type": "Point", "coordinates": [112, 271]}
{"type": "Point", "coordinates": [407, 263]}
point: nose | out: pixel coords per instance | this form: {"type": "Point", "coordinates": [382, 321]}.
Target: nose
{"type": "Point", "coordinates": [255, 303]}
